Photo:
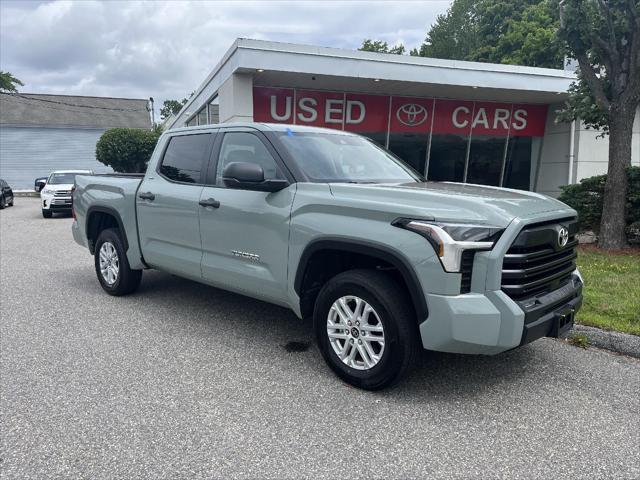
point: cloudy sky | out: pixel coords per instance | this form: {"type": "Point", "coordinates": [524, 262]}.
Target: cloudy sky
{"type": "Point", "coordinates": [165, 49]}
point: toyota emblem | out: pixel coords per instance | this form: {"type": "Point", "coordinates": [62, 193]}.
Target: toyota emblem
{"type": "Point", "coordinates": [563, 237]}
{"type": "Point", "coordinates": [412, 114]}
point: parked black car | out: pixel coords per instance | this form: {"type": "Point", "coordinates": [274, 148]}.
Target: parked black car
{"type": "Point", "coordinates": [39, 183]}
{"type": "Point", "coordinates": [6, 194]}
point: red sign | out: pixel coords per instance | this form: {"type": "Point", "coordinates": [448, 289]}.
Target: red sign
{"type": "Point", "coordinates": [378, 113]}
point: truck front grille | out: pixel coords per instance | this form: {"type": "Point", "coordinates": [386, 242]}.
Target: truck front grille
{"type": "Point", "coordinates": [467, 270]}
{"type": "Point", "coordinates": [536, 263]}
{"type": "Point", "coordinates": [62, 193]}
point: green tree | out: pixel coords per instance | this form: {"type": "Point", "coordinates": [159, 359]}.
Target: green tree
{"type": "Point", "coordinates": [604, 37]}
{"type": "Point", "coordinates": [8, 83]}
{"type": "Point", "coordinates": [454, 35]}
{"type": "Point", "coordinates": [126, 150]}
{"type": "Point", "coordinates": [379, 46]}
{"type": "Point", "coordinates": [520, 32]}
{"type": "Point", "coordinates": [171, 107]}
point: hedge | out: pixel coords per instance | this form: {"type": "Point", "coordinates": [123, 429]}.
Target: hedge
{"type": "Point", "coordinates": [586, 198]}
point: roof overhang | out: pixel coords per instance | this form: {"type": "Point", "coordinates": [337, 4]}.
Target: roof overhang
{"type": "Point", "coordinates": [321, 68]}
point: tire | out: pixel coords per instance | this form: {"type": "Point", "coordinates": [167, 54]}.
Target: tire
{"type": "Point", "coordinates": [47, 213]}
{"type": "Point", "coordinates": [125, 280]}
{"type": "Point", "coordinates": [392, 309]}
{"type": "Point", "coordinates": [11, 203]}
{"type": "Point", "coordinates": [2, 203]}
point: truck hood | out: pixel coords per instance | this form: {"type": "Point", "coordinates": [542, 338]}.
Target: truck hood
{"type": "Point", "coordinates": [445, 201]}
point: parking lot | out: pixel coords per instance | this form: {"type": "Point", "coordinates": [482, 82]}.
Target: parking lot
{"type": "Point", "coordinates": [182, 380]}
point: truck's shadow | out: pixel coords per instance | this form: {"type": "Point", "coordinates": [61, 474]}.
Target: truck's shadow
{"type": "Point", "coordinates": [437, 375]}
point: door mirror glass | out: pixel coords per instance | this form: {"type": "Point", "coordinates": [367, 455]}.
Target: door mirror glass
{"type": "Point", "coordinates": [39, 186]}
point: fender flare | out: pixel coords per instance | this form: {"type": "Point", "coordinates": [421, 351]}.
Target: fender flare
{"type": "Point", "coordinates": [109, 211]}
{"type": "Point", "coordinates": [373, 249]}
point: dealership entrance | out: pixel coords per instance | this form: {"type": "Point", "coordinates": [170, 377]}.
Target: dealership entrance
{"type": "Point", "coordinates": [446, 140]}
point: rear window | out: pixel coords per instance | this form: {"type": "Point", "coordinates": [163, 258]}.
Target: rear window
{"type": "Point", "coordinates": [184, 158]}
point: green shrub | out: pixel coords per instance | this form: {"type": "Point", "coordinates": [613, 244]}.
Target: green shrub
{"type": "Point", "coordinates": [126, 150]}
{"type": "Point", "coordinates": [586, 198]}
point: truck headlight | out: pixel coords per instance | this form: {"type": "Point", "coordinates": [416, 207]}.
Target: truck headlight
{"type": "Point", "coordinates": [449, 240]}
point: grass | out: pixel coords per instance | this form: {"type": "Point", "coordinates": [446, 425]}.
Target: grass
{"type": "Point", "coordinates": [612, 289]}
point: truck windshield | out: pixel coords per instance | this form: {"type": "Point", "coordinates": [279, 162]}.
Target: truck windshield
{"type": "Point", "coordinates": [62, 178]}
{"type": "Point", "coordinates": [326, 157]}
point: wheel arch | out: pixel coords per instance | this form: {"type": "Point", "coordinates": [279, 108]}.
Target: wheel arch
{"type": "Point", "coordinates": [100, 218]}
{"type": "Point", "coordinates": [360, 248]}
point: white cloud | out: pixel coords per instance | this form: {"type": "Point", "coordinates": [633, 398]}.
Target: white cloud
{"type": "Point", "coordinates": [165, 49]}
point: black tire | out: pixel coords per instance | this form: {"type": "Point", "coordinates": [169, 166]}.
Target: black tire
{"type": "Point", "coordinates": [394, 310]}
{"type": "Point", "coordinates": [47, 213]}
{"type": "Point", "coordinates": [2, 202]}
{"type": "Point", "coordinates": [127, 280]}
{"type": "Point", "coordinates": [11, 203]}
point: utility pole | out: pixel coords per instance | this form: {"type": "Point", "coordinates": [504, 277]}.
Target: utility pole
{"type": "Point", "coordinates": [153, 113]}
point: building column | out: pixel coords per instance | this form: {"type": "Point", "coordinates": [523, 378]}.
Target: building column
{"type": "Point", "coordinates": [236, 99]}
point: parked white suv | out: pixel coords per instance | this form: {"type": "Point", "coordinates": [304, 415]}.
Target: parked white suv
{"type": "Point", "coordinates": [56, 196]}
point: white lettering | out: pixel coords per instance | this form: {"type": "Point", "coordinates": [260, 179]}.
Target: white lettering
{"type": "Point", "coordinates": [350, 119]}
{"type": "Point", "coordinates": [331, 110]}
{"type": "Point", "coordinates": [521, 116]}
{"type": "Point", "coordinates": [481, 117]}
{"type": "Point", "coordinates": [454, 117]}
{"type": "Point", "coordinates": [502, 116]}
{"type": "Point", "coordinates": [287, 110]}
{"type": "Point", "coordinates": [306, 105]}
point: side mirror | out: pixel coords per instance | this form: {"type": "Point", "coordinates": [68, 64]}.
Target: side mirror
{"type": "Point", "coordinates": [39, 186]}
{"type": "Point", "coordinates": [250, 176]}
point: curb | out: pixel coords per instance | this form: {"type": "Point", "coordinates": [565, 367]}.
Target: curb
{"type": "Point", "coordinates": [614, 341]}
{"type": "Point", "coordinates": [26, 194]}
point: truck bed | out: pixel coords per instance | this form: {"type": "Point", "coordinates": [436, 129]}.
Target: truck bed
{"type": "Point", "coordinates": [111, 193]}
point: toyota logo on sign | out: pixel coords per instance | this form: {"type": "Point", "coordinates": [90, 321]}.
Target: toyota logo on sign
{"type": "Point", "coordinates": [412, 114]}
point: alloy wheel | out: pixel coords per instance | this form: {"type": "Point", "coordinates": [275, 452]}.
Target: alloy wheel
{"type": "Point", "coordinates": [355, 332]}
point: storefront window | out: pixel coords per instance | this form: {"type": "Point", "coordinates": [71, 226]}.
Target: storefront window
{"type": "Point", "coordinates": [214, 110]}
{"type": "Point", "coordinates": [202, 116]}
{"type": "Point", "coordinates": [521, 162]}
{"type": "Point", "coordinates": [447, 158]}
{"type": "Point", "coordinates": [410, 147]}
{"type": "Point", "coordinates": [485, 160]}
{"type": "Point", "coordinates": [482, 142]}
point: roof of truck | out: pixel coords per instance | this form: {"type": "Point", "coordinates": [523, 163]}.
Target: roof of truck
{"type": "Point", "coordinates": [273, 127]}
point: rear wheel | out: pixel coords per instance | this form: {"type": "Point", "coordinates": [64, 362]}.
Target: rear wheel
{"type": "Point", "coordinates": [365, 328]}
{"type": "Point", "coordinates": [111, 264]}
{"type": "Point", "coordinates": [47, 213]}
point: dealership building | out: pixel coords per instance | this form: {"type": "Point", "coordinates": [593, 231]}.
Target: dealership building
{"type": "Point", "coordinates": [450, 120]}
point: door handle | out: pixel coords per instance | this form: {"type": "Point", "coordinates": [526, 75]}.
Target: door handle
{"type": "Point", "coordinates": [146, 196]}
{"type": "Point", "coordinates": [210, 202]}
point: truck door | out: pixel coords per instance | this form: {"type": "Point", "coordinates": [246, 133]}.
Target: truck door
{"type": "Point", "coordinates": [245, 233]}
{"type": "Point", "coordinates": [167, 206]}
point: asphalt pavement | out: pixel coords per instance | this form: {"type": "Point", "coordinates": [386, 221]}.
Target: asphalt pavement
{"type": "Point", "coordinates": [181, 380]}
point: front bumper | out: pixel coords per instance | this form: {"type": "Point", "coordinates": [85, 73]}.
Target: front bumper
{"type": "Point", "coordinates": [492, 322]}
{"type": "Point", "coordinates": [51, 202]}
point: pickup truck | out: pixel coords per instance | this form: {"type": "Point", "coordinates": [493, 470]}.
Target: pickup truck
{"type": "Point", "coordinates": [336, 228]}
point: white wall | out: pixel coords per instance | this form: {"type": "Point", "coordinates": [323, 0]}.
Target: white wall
{"type": "Point", "coordinates": [236, 99]}
{"type": "Point", "coordinates": [554, 159]}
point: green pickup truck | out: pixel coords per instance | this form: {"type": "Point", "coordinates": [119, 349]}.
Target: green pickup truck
{"type": "Point", "coordinates": [337, 229]}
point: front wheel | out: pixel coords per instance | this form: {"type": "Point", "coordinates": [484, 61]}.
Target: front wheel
{"type": "Point", "coordinates": [365, 328]}
{"type": "Point", "coordinates": [2, 202]}
{"type": "Point", "coordinates": [47, 213]}
{"type": "Point", "coordinates": [112, 267]}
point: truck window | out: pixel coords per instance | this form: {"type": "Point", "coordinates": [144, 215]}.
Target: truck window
{"type": "Point", "coordinates": [184, 157]}
{"type": "Point", "coordinates": [245, 147]}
